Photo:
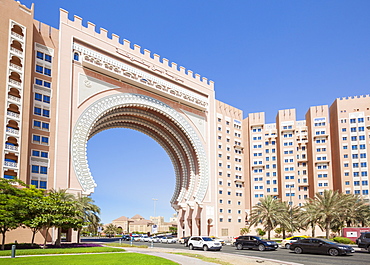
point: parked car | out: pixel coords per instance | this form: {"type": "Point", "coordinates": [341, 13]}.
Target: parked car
{"type": "Point", "coordinates": [254, 242]}
{"type": "Point", "coordinates": [364, 241]}
{"type": "Point", "coordinates": [144, 238]}
{"type": "Point", "coordinates": [186, 241]}
{"type": "Point", "coordinates": [168, 239]}
{"type": "Point", "coordinates": [203, 242]}
{"type": "Point", "coordinates": [217, 239]}
{"type": "Point", "coordinates": [154, 239]}
{"type": "Point", "coordinates": [126, 237]}
{"type": "Point", "coordinates": [320, 246]}
{"type": "Point", "coordinates": [171, 240]}
{"type": "Point", "coordinates": [183, 239]}
{"type": "Point", "coordinates": [287, 241]}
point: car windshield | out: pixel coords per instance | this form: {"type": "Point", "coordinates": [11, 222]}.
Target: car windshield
{"type": "Point", "coordinates": [328, 241]}
{"type": "Point", "coordinates": [207, 239]}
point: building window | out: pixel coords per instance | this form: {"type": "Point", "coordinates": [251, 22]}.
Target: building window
{"type": "Point", "coordinates": [48, 58]}
{"type": "Point", "coordinates": [40, 55]}
{"type": "Point", "coordinates": [45, 140]}
{"type": "Point", "coordinates": [37, 111]}
{"type": "Point", "coordinates": [39, 69]}
{"type": "Point", "coordinates": [35, 169]}
{"type": "Point", "coordinates": [38, 97]}
{"type": "Point", "coordinates": [47, 71]}
{"type": "Point", "coordinates": [46, 113]}
{"type": "Point", "coordinates": [43, 170]}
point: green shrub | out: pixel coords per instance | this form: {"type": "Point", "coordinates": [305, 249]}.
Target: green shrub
{"type": "Point", "coordinates": [343, 240]}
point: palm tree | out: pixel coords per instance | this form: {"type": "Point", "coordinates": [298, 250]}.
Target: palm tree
{"type": "Point", "coordinates": [328, 207]}
{"type": "Point", "coordinates": [110, 230]}
{"type": "Point", "coordinates": [88, 214]}
{"type": "Point", "coordinates": [268, 213]}
{"type": "Point", "coordinates": [308, 217]}
{"type": "Point", "coordinates": [289, 218]}
{"type": "Point", "coordinates": [357, 214]}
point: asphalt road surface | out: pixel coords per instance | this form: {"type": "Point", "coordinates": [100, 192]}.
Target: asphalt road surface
{"type": "Point", "coordinates": [357, 258]}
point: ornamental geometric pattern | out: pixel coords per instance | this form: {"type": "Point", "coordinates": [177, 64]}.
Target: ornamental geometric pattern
{"type": "Point", "coordinates": [83, 130]}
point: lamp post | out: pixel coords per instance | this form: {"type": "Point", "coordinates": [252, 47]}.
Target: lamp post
{"type": "Point", "coordinates": [155, 200]}
{"type": "Point", "coordinates": [291, 208]}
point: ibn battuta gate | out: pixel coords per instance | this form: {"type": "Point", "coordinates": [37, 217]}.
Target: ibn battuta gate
{"type": "Point", "coordinates": [104, 84]}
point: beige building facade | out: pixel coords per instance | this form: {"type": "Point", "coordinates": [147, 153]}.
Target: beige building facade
{"type": "Point", "coordinates": [62, 86]}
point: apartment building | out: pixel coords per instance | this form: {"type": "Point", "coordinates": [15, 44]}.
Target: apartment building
{"type": "Point", "coordinates": [350, 142]}
{"type": "Point", "coordinates": [231, 195]}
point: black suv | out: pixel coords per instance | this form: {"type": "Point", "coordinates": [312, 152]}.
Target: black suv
{"type": "Point", "coordinates": [364, 241]}
{"type": "Point", "coordinates": [254, 242]}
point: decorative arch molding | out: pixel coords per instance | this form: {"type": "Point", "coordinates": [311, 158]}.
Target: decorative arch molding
{"type": "Point", "coordinates": [86, 126]}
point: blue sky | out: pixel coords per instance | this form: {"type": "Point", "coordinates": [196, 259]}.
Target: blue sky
{"type": "Point", "coordinates": [262, 55]}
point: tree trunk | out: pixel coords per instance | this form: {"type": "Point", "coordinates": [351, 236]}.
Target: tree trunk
{"type": "Point", "coordinates": [268, 234]}
{"type": "Point", "coordinates": [3, 241]}
{"type": "Point", "coordinates": [59, 238]}
{"type": "Point", "coordinates": [327, 230]}
{"type": "Point", "coordinates": [284, 235]}
{"type": "Point", "coordinates": [78, 234]}
{"type": "Point", "coordinates": [313, 229]}
{"type": "Point", "coordinates": [34, 231]}
{"type": "Point", "coordinates": [46, 236]}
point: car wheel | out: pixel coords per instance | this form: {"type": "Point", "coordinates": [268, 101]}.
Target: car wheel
{"type": "Point", "coordinates": [333, 252]}
{"type": "Point", "coordinates": [261, 247]}
{"type": "Point", "coordinates": [205, 248]}
{"type": "Point", "coordinates": [287, 246]}
{"type": "Point", "coordinates": [239, 246]}
{"type": "Point", "coordinates": [298, 250]}
{"type": "Point", "coordinates": [368, 249]}
{"type": "Point", "coordinates": [191, 247]}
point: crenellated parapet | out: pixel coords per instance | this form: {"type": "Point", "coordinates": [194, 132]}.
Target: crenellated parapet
{"type": "Point", "coordinates": [141, 57]}
{"type": "Point", "coordinates": [354, 97]}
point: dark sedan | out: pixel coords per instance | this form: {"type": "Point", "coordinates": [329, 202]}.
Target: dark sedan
{"type": "Point", "coordinates": [320, 246]}
{"type": "Point", "coordinates": [254, 242]}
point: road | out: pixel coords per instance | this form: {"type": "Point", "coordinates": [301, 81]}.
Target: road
{"type": "Point", "coordinates": [358, 258]}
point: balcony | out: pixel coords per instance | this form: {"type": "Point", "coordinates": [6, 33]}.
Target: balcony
{"type": "Point", "coordinates": [12, 131]}
{"type": "Point", "coordinates": [304, 184]}
{"type": "Point", "coordinates": [16, 51]}
{"type": "Point", "coordinates": [12, 114]}
{"type": "Point", "coordinates": [11, 164]}
{"type": "Point", "coordinates": [15, 83]}
{"type": "Point", "coordinates": [13, 98]}
{"type": "Point", "coordinates": [11, 147]}
{"type": "Point", "coordinates": [18, 36]}
{"type": "Point", "coordinates": [16, 67]}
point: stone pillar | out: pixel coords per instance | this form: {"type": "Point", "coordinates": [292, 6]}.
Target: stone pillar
{"type": "Point", "coordinates": [188, 221]}
{"type": "Point", "coordinates": [197, 220]}
{"type": "Point", "coordinates": [180, 223]}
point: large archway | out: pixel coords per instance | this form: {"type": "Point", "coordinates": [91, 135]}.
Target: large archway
{"type": "Point", "coordinates": [166, 126]}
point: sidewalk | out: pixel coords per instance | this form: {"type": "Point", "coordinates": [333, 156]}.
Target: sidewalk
{"type": "Point", "coordinates": [234, 259]}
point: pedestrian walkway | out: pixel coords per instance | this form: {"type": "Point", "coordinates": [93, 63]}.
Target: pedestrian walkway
{"type": "Point", "coordinates": [233, 259]}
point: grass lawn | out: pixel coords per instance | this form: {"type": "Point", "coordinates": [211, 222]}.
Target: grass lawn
{"type": "Point", "coordinates": [60, 251]}
{"type": "Point", "coordinates": [91, 259]}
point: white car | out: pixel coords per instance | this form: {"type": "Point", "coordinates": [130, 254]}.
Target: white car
{"type": "Point", "coordinates": [204, 242]}
{"type": "Point", "coordinates": [168, 239]}
{"type": "Point", "coordinates": [154, 239]}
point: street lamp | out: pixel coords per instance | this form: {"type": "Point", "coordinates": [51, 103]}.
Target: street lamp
{"type": "Point", "coordinates": [154, 200]}
{"type": "Point", "coordinates": [291, 208]}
